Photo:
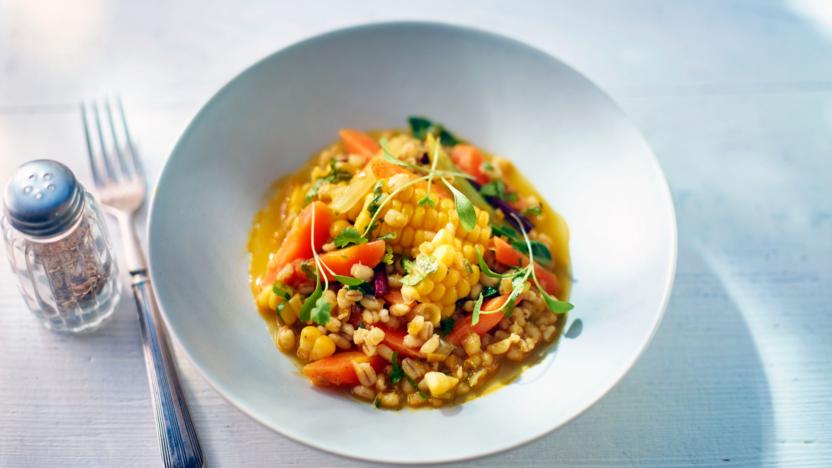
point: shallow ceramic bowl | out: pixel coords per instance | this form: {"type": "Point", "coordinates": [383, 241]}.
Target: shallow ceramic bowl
{"type": "Point", "coordinates": [581, 152]}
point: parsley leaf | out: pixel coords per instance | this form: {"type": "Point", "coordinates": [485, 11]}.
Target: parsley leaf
{"type": "Point", "coordinates": [321, 312]}
{"type": "Point", "coordinates": [348, 236]}
{"type": "Point", "coordinates": [498, 189]}
{"type": "Point", "coordinates": [397, 373]}
{"type": "Point", "coordinates": [488, 271]}
{"type": "Point", "coordinates": [416, 386]}
{"type": "Point", "coordinates": [420, 269]}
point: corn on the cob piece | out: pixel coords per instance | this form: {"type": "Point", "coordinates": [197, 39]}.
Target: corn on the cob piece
{"type": "Point", "coordinates": [414, 225]}
{"type": "Point", "coordinates": [454, 275]}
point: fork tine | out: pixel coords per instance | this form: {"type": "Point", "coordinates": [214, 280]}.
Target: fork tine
{"type": "Point", "coordinates": [111, 173]}
{"type": "Point", "coordinates": [96, 174]}
{"type": "Point", "coordinates": [126, 173]}
{"type": "Point", "coordinates": [138, 170]}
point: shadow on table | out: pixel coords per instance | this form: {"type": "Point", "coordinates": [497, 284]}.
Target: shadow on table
{"type": "Point", "coordinates": [698, 395]}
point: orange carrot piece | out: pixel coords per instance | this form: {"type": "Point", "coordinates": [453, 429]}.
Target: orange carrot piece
{"type": "Point", "coordinates": [297, 245]}
{"type": "Point", "coordinates": [464, 328]}
{"type": "Point", "coordinates": [358, 142]}
{"type": "Point", "coordinates": [508, 255]}
{"type": "Point", "coordinates": [337, 370]}
{"type": "Point", "coordinates": [470, 159]}
{"type": "Point", "coordinates": [341, 261]}
{"type": "Point", "coordinates": [384, 169]}
{"type": "Point", "coordinates": [395, 340]}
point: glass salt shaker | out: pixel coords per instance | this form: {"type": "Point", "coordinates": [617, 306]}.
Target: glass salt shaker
{"type": "Point", "coordinates": [59, 248]}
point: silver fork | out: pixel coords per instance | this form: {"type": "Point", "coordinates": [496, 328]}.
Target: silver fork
{"type": "Point", "coordinates": [121, 187]}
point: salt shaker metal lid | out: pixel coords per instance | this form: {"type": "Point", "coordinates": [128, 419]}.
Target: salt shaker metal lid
{"type": "Point", "coordinates": [43, 198]}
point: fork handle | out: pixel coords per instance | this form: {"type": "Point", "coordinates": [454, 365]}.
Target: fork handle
{"type": "Point", "coordinates": [177, 436]}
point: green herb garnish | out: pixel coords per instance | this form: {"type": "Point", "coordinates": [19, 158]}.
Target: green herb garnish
{"type": "Point", "coordinates": [397, 372]}
{"type": "Point", "coordinates": [335, 175]}
{"type": "Point", "coordinates": [464, 208]}
{"type": "Point", "coordinates": [416, 386]}
{"type": "Point", "coordinates": [388, 256]}
{"type": "Point", "coordinates": [533, 211]}
{"type": "Point", "coordinates": [348, 280]}
{"type": "Point", "coordinates": [519, 277]}
{"type": "Point", "coordinates": [516, 240]}
{"type": "Point", "coordinates": [348, 236]}
{"type": "Point", "coordinates": [281, 292]}
{"type": "Point", "coordinates": [446, 325]}
{"type": "Point", "coordinates": [420, 269]}
{"type": "Point", "coordinates": [490, 291]}
{"type": "Point", "coordinates": [498, 189]}
{"type": "Point", "coordinates": [421, 127]}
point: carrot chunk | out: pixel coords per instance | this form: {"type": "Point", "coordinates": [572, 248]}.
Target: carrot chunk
{"type": "Point", "coordinates": [358, 142]}
{"type": "Point", "coordinates": [337, 370]}
{"type": "Point", "coordinates": [509, 256]}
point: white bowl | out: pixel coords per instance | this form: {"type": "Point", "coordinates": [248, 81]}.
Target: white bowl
{"type": "Point", "coordinates": [564, 134]}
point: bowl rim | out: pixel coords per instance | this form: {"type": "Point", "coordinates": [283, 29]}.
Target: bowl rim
{"type": "Point", "coordinates": [227, 395]}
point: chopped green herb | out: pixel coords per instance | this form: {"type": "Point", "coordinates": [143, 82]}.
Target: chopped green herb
{"type": "Point", "coordinates": [420, 269]}
{"type": "Point", "coordinates": [507, 231]}
{"type": "Point", "coordinates": [408, 265]}
{"type": "Point", "coordinates": [416, 386]}
{"type": "Point", "coordinates": [533, 211]}
{"type": "Point", "coordinates": [321, 312]}
{"type": "Point", "coordinates": [490, 291]}
{"type": "Point", "coordinates": [348, 280]}
{"type": "Point", "coordinates": [364, 287]}
{"type": "Point", "coordinates": [541, 252]}
{"type": "Point", "coordinates": [488, 166]}
{"type": "Point", "coordinates": [421, 127]}
{"type": "Point", "coordinates": [385, 237]}
{"type": "Point", "coordinates": [307, 270]}
{"type": "Point", "coordinates": [464, 208]}
{"type": "Point", "coordinates": [397, 372]}
{"type": "Point", "coordinates": [475, 316]}
{"type": "Point", "coordinates": [361, 325]}
{"type": "Point", "coordinates": [488, 271]}
{"type": "Point", "coordinates": [305, 313]}
{"type": "Point", "coordinates": [468, 268]}
{"type": "Point", "coordinates": [446, 325]}
{"type": "Point", "coordinates": [335, 175]}
{"type": "Point", "coordinates": [348, 236]}
{"type": "Point", "coordinates": [280, 291]}
{"type": "Point", "coordinates": [375, 202]}
{"type": "Point", "coordinates": [498, 189]}
{"type": "Point", "coordinates": [388, 256]}
{"type": "Point", "coordinates": [377, 403]}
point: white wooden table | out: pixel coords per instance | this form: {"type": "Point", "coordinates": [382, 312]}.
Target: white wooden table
{"type": "Point", "coordinates": [735, 98]}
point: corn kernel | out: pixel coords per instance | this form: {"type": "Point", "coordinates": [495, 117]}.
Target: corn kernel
{"type": "Point", "coordinates": [323, 347]}
{"type": "Point", "coordinates": [439, 383]}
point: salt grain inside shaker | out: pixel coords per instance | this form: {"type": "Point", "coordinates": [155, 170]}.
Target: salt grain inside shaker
{"type": "Point", "coordinates": [59, 248]}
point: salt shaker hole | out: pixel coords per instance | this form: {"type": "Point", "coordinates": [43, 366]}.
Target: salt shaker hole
{"type": "Point", "coordinates": [27, 189]}
{"type": "Point", "coordinates": [33, 177]}
{"type": "Point", "coordinates": [38, 195]}
{"type": "Point", "coordinates": [50, 187]}
{"type": "Point", "coordinates": [47, 176]}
